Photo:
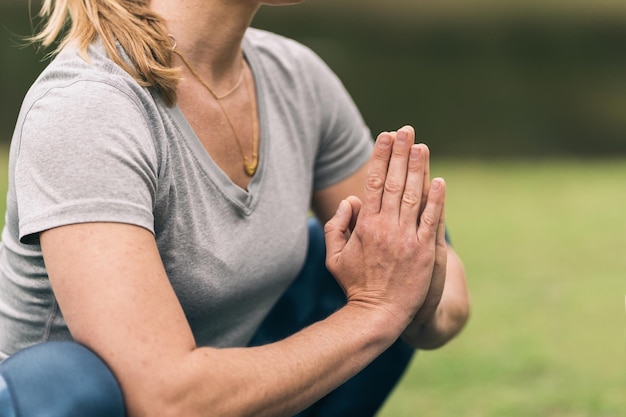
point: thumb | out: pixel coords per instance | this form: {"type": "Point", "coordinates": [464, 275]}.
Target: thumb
{"type": "Point", "coordinates": [356, 209]}
{"type": "Point", "coordinates": [335, 230]}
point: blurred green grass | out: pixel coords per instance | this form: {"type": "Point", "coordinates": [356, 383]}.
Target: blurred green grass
{"type": "Point", "coordinates": [543, 244]}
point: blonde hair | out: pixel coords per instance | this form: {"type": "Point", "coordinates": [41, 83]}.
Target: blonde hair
{"type": "Point", "coordinates": [140, 32]}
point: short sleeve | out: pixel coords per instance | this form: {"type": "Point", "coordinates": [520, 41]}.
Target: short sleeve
{"type": "Point", "coordinates": [346, 142]}
{"type": "Point", "coordinates": [85, 155]}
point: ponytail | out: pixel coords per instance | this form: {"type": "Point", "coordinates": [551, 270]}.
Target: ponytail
{"type": "Point", "coordinates": [139, 30]}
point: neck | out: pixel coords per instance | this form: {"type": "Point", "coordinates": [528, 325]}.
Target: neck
{"type": "Point", "coordinates": [209, 33]}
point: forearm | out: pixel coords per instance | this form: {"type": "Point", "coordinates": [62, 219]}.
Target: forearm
{"type": "Point", "coordinates": [451, 314]}
{"type": "Point", "coordinates": [278, 379]}
{"type": "Point", "coordinates": [117, 301]}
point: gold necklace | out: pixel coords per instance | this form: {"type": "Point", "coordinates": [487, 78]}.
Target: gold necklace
{"type": "Point", "coordinates": [250, 167]}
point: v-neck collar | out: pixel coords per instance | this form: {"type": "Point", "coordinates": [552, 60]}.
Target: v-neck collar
{"type": "Point", "coordinates": [245, 200]}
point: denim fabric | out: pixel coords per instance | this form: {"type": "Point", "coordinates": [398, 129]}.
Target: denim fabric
{"type": "Point", "coordinates": [6, 404]}
{"type": "Point", "coordinates": [58, 379]}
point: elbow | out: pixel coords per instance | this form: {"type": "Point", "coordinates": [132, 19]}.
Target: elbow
{"type": "Point", "coordinates": [166, 393]}
{"type": "Point", "coordinates": [160, 401]}
{"type": "Point", "coordinates": [183, 388]}
{"type": "Point", "coordinates": [165, 403]}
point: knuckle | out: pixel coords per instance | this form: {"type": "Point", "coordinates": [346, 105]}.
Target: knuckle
{"type": "Point", "coordinates": [363, 227]}
{"type": "Point", "coordinates": [369, 231]}
{"type": "Point", "coordinates": [392, 186]}
{"type": "Point", "coordinates": [429, 220]}
{"type": "Point", "coordinates": [329, 227]}
{"type": "Point", "coordinates": [374, 183]}
{"type": "Point", "coordinates": [411, 199]}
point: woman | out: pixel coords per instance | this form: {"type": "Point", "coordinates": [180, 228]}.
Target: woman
{"type": "Point", "coordinates": [161, 174]}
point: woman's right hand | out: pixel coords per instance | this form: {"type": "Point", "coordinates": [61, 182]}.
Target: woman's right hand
{"type": "Point", "coordinates": [386, 260]}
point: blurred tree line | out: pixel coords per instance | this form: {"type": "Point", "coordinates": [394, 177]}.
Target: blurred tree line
{"type": "Point", "coordinates": [490, 85]}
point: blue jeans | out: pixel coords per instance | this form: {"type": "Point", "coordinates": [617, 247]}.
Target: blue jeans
{"type": "Point", "coordinates": [65, 379]}
{"type": "Point", "coordinates": [58, 379]}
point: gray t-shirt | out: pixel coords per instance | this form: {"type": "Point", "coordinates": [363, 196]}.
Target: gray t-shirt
{"type": "Point", "coordinates": [91, 145]}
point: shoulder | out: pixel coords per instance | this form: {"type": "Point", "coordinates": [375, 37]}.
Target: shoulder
{"type": "Point", "coordinates": [83, 99]}
{"type": "Point", "coordinates": [82, 109]}
{"type": "Point", "coordinates": [76, 83]}
{"type": "Point", "coordinates": [294, 69]}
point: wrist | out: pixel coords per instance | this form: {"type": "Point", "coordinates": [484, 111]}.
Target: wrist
{"type": "Point", "coordinates": [378, 321]}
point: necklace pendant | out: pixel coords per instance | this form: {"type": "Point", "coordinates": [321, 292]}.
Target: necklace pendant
{"type": "Point", "coordinates": [251, 168]}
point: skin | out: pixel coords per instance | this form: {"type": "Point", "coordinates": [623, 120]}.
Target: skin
{"type": "Point", "coordinates": [446, 307]}
{"type": "Point", "coordinates": [385, 243]}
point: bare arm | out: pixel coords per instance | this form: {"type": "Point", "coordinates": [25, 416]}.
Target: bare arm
{"type": "Point", "coordinates": [117, 300]}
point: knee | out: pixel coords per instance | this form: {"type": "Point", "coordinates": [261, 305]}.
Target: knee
{"type": "Point", "coordinates": [63, 378]}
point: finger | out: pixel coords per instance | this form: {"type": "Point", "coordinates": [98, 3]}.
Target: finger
{"type": "Point", "coordinates": [440, 240]}
{"type": "Point", "coordinates": [335, 231]}
{"type": "Point", "coordinates": [376, 174]}
{"type": "Point", "coordinates": [356, 205]}
{"type": "Point", "coordinates": [429, 222]}
{"type": "Point", "coordinates": [426, 181]}
{"type": "Point", "coordinates": [395, 181]}
{"type": "Point", "coordinates": [441, 258]}
{"type": "Point", "coordinates": [429, 233]}
{"type": "Point", "coordinates": [438, 281]}
{"type": "Point", "coordinates": [412, 197]}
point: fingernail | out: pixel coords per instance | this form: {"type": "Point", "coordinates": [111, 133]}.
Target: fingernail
{"type": "Point", "coordinates": [437, 182]}
{"type": "Point", "coordinates": [384, 139]}
{"type": "Point", "coordinates": [342, 206]}
{"type": "Point", "coordinates": [415, 153]}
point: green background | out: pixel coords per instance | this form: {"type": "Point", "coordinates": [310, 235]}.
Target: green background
{"type": "Point", "coordinates": [483, 78]}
